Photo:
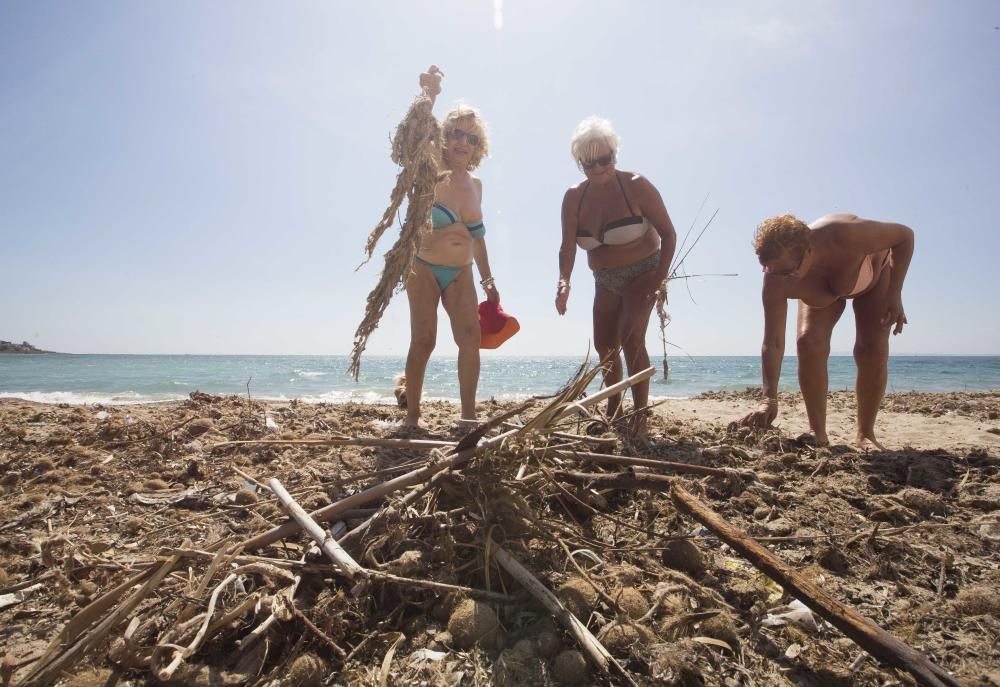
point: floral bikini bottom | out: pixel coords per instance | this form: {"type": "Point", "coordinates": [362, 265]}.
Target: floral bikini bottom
{"type": "Point", "coordinates": [615, 279]}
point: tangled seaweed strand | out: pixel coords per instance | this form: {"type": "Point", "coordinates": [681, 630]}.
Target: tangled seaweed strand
{"type": "Point", "coordinates": [415, 147]}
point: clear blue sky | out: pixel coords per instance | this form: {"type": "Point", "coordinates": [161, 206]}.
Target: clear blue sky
{"type": "Point", "coordinates": [200, 177]}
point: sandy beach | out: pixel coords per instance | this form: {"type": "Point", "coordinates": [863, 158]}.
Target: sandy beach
{"type": "Point", "coordinates": [93, 497]}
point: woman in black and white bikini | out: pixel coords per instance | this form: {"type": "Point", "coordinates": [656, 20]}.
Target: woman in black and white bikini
{"type": "Point", "coordinates": [618, 217]}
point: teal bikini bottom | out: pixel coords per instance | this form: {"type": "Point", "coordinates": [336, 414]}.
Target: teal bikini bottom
{"type": "Point", "coordinates": [444, 274]}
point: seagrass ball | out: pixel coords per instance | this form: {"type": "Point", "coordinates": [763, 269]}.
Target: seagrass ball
{"type": "Point", "coordinates": [473, 622]}
{"type": "Point", "coordinates": [307, 670]}
{"type": "Point", "coordinates": [684, 555]}
{"type": "Point", "coordinates": [632, 602]}
{"type": "Point", "coordinates": [570, 668]}
{"type": "Point", "coordinates": [579, 597]}
{"type": "Point", "coordinates": [245, 497]}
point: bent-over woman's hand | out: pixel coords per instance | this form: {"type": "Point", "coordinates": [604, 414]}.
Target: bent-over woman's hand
{"type": "Point", "coordinates": [894, 314]}
{"type": "Point", "coordinates": [762, 417]}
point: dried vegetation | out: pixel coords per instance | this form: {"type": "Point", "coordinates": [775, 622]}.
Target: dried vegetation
{"type": "Point", "coordinates": [123, 551]}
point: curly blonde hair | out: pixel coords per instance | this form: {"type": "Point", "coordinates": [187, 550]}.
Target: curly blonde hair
{"type": "Point", "coordinates": [462, 111]}
{"type": "Point", "coordinates": [776, 235]}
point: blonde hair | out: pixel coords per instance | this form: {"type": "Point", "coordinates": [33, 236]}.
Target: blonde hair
{"type": "Point", "coordinates": [778, 234]}
{"type": "Point", "coordinates": [590, 134]}
{"type": "Point", "coordinates": [461, 111]}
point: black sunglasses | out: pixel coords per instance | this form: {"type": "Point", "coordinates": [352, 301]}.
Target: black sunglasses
{"type": "Point", "coordinates": [459, 134]}
{"type": "Point", "coordinates": [598, 162]}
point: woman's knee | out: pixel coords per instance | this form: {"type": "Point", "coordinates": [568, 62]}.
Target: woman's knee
{"type": "Point", "coordinates": [634, 347]}
{"type": "Point", "coordinates": [810, 345]}
{"type": "Point", "coordinates": [871, 351]}
{"type": "Point", "coordinates": [423, 343]}
{"type": "Point", "coordinates": [467, 336]}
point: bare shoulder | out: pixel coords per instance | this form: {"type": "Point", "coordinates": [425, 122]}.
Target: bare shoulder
{"type": "Point", "coordinates": [641, 185]}
{"type": "Point", "coordinates": [834, 219]}
{"type": "Point", "coordinates": [634, 178]}
{"type": "Point", "coordinates": [573, 192]}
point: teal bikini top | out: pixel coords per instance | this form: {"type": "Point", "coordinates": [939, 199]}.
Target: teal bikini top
{"type": "Point", "coordinates": [443, 216]}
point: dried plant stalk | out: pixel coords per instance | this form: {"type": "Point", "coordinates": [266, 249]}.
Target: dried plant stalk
{"type": "Point", "coordinates": [347, 565]}
{"type": "Point", "coordinates": [415, 147]}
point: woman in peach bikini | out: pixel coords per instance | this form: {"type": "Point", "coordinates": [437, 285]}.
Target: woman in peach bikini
{"type": "Point", "coordinates": [822, 265]}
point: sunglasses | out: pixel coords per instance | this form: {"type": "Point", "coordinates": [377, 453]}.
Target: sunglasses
{"type": "Point", "coordinates": [459, 134]}
{"type": "Point", "coordinates": [598, 162]}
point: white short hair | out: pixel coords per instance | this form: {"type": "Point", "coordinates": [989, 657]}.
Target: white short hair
{"type": "Point", "coordinates": [589, 134]}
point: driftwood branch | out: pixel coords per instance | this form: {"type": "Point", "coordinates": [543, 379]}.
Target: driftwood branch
{"type": "Point", "coordinates": [867, 634]}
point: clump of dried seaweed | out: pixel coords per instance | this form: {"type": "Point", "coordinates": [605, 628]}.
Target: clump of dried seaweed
{"type": "Point", "coordinates": [415, 148]}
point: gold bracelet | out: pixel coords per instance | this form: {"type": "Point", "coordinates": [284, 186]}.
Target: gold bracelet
{"type": "Point", "coordinates": [487, 282]}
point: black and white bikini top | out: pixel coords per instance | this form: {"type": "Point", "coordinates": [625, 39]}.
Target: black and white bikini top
{"type": "Point", "coordinates": [616, 233]}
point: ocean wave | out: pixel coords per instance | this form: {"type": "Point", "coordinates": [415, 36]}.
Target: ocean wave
{"type": "Point", "coordinates": [309, 373]}
{"type": "Point", "coordinates": [90, 398]}
{"type": "Point", "coordinates": [354, 396]}
{"type": "Point", "coordinates": [370, 396]}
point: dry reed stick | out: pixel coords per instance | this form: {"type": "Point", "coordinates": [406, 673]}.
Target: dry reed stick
{"type": "Point", "coordinates": [347, 565]}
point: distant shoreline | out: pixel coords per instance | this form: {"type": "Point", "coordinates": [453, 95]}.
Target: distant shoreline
{"type": "Point", "coordinates": [23, 348]}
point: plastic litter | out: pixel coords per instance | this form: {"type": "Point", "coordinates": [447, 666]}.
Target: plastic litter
{"type": "Point", "coordinates": [795, 612]}
{"type": "Point", "coordinates": [427, 655]}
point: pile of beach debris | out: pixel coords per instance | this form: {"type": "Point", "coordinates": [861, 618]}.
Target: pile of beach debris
{"type": "Point", "coordinates": [223, 541]}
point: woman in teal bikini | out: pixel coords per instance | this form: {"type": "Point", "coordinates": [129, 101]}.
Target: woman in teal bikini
{"type": "Point", "coordinates": [619, 218]}
{"type": "Point", "coordinates": [442, 270]}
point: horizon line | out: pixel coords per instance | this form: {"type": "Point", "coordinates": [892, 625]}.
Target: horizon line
{"type": "Point", "coordinates": [839, 354]}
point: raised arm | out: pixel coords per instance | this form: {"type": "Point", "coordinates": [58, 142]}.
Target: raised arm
{"type": "Point", "coordinates": [567, 249]}
{"type": "Point", "coordinates": [430, 82]}
{"type": "Point", "coordinates": [772, 351]}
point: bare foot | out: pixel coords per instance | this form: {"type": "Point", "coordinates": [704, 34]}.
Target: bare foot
{"type": "Point", "coordinates": [866, 440]}
{"type": "Point", "coordinates": [638, 429]}
{"type": "Point", "coordinates": [414, 422]}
